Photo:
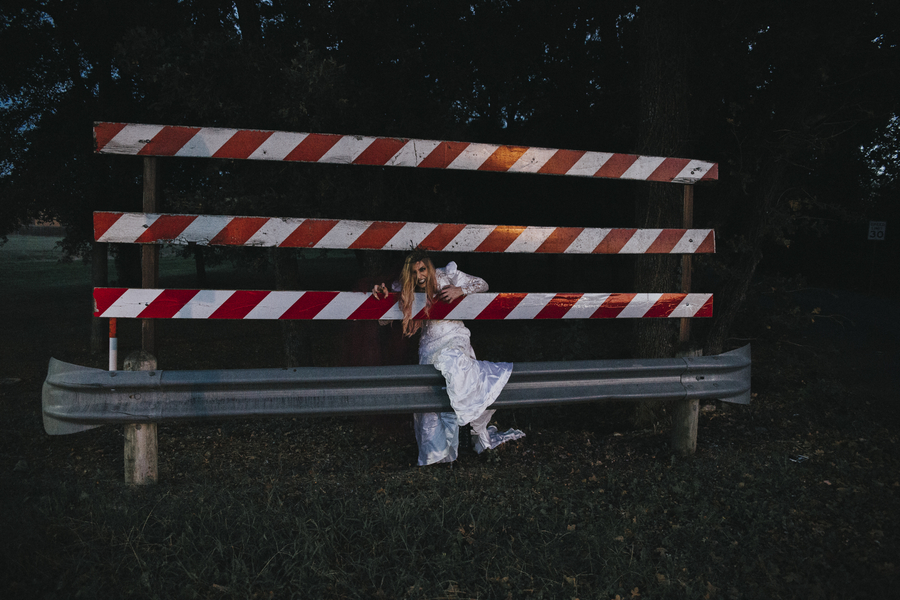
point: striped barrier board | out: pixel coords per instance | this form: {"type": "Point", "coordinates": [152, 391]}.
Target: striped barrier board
{"type": "Point", "coordinates": [306, 305]}
{"type": "Point", "coordinates": [148, 228]}
{"type": "Point", "coordinates": [251, 144]}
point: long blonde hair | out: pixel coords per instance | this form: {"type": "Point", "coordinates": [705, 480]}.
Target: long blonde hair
{"type": "Point", "coordinates": [408, 290]}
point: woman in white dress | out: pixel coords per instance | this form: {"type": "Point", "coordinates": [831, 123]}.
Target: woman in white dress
{"type": "Point", "coordinates": [472, 384]}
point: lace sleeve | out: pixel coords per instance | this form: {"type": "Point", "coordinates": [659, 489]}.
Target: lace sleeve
{"type": "Point", "coordinates": [468, 283]}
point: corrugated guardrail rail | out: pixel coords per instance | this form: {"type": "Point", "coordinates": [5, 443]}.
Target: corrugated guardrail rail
{"type": "Point", "coordinates": [77, 398]}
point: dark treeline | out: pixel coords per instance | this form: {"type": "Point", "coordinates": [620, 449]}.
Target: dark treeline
{"type": "Point", "coordinates": [796, 101]}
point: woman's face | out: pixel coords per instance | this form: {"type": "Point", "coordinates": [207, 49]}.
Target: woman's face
{"type": "Point", "coordinates": [420, 273]}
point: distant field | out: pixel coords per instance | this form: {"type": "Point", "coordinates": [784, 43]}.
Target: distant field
{"type": "Point", "coordinates": [32, 261]}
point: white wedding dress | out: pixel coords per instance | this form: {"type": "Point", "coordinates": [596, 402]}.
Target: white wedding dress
{"type": "Point", "coordinates": [472, 384]}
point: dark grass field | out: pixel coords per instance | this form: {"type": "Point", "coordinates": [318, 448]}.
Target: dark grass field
{"type": "Point", "coordinates": [586, 506]}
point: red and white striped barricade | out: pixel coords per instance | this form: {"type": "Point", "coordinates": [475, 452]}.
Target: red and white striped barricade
{"type": "Point", "coordinates": [251, 144]}
{"type": "Point", "coordinates": [218, 230]}
{"type": "Point", "coordinates": [139, 303]}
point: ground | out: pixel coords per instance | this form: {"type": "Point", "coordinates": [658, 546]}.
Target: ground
{"type": "Point", "coordinates": [794, 496]}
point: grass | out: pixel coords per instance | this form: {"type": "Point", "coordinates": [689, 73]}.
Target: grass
{"type": "Point", "coordinates": [583, 507]}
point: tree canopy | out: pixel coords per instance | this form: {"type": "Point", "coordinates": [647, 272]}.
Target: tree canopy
{"type": "Point", "coordinates": [796, 101]}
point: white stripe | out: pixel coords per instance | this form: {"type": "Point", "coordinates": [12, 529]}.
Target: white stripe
{"type": "Point", "coordinates": [128, 228]}
{"type": "Point", "coordinates": [132, 139]}
{"type": "Point", "coordinates": [277, 146]}
{"type": "Point", "coordinates": [203, 229]}
{"type": "Point", "coordinates": [689, 306]}
{"type": "Point", "coordinates": [204, 304]}
{"type": "Point", "coordinates": [206, 142]}
{"type": "Point", "coordinates": [131, 303]}
{"type": "Point", "coordinates": [530, 305]}
{"type": "Point", "coordinates": [639, 306]}
{"type": "Point", "coordinates": [343, 234]}
{"type": "Point", "coordinates": [693, 171]}
{"type": "Point", "coordinates": [586, 306]}
{"type": "Point", "coordinates": [274, 305]}
{"type": "Point", "coordinates": [342, 306]}
{"type": "Point", "coordinates": [530, 239]}
{"type": "Point", "coordinates": [471, 306]}
{"type": "Point", "coordinates": [589, 164]}
{"type": "Point", "coordinates": [410, 236]}
{"type": "Point", "coordinates": [640, 241]}
{"type": "Point", "coordinates": [587, 240]}
{"type": "Point", "coordinates": [273, 233]}
{"type": "Point", "coordinates": [473, 157]}
{"type": "Point", "coordinates": [346, 149]}
{"type": "Point", "coordinates": [412, 153]}
{"type": "Point", "coordinates": [690, 241]}
{"type": "Point", "coordinates": [532, 160]}
{"type": "Point", "coordinates": [393, 313]}
{"type": "Point", "coordinates": [470, 237]}
{"type": "Point", "coordinates": [643, 167]}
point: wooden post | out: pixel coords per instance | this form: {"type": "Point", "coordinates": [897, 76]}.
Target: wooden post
{"type": "Point", "coordinates": [150, 252]}
{"type": "Point", "coordinates": [685, 418]}
{"type": "Point", "coordinates": [140, 438]}
{"type": "Point", "coordinates": [687, 222]}
{"type": "Point", "coordinates": [686, 412]}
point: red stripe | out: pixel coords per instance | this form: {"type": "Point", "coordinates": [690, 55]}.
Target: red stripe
{"type": "Point", "coordinates": [439, 310]}
{"type": "Point", "coordinates": [313, 147]}
{"type": "Point", "coordinates": [668, 169]}
{"type": "Point", "coordinates": [664, 306]}
{"type": "Point", "coordinates": [376, 235]}
{"type": "Point", "coordinates": [239, 304]}
{"type": "Point", "coordinates": [309, 305]}
{"type": "Point", "coordinates": [614, 241]}
{"type": "Point", "coordinates": [106, 297]}
{"type": "Point", "coordinates": [442, 235]}
{"type": "Point", "coordinates": [167, 304]}
{"type": "Point", "coordinates": [238, 231]}
{"type": "Point", "coordinates": [242, 144]}
{"type": "Point", "coordinates": [104, 132]}
{"type": "Point", "coordinates": [665, 241]}
{"type": "Point", "coordinates": [616, 165]}
{"type": "Point", "coordinates": [613, 305]}
{"type": "Point", "coordinates": [443, 155]}
{"type": "Point", "coordinates": [503, 158]}
{"type": "Point", "coordinates": [558, 306]}
{"type": "Point", "coordinates": [500, 238]}
{"type": "Point", "coordinates": [706, 310]}
{"type": "Point", "coordinates": [168, 141]}
{"type": "Point", "coordinates": [373, 308]}
{"type": "Point", "coordinates": [380, 151]}
{"type": "Point", "coordinates": [561, 162]}
{"type": "Point", "coordinates": [166, 227]}
{"type": "Point", "coordinates": [709, 244]}
{"type": "Point", "coordinates": [712, 174]}
{"type": "Point", "coordinates": [103, 221]}
{"type": "Point", "coordinates": [501, 306]}
{"type": "Point", "coordinates": [560, 239]}
{"type": "Point", "coordinates": [308, 233]}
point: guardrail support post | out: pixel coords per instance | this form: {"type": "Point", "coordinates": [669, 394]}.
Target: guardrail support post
{"type": "Point", "coordinates": [140, 438]}
{"type": "Point", "coordinates": [685, 419]}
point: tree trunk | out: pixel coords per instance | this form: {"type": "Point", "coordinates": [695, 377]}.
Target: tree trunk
{"type": "Point", "coordinates": [99, 278]}
{"type": "Point", "coordinates": [287, 277]}
{"type": "Point", "coordinates": [664, 129]}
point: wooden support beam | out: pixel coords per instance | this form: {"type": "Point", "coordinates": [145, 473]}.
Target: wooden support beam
{"type": "Point", "coordinates": [150, 252]}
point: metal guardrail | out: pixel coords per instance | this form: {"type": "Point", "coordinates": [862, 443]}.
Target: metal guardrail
{"type": "Point", "coordinates": [77, 398]}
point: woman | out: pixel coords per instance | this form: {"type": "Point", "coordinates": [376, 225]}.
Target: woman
{"type": "Point", "coordinates": [472, 385]}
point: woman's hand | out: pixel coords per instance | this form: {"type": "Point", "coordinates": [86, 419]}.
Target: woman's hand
{"type": "Point", "coordinates": [380, 288]}
{"type": "Point", "coordinates": [450, 293]}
